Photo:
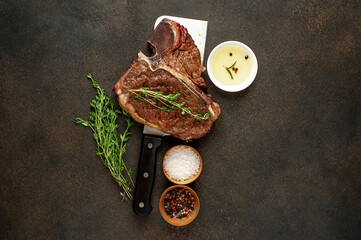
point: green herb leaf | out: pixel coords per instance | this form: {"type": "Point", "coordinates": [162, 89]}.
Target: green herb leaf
{"type": "Point", "coordinates": [229, 72]}
{"type": "Point", "coordinates": [168, 101]}
{"type": "Point", "coordinates": [78, 120]}
{"type": "Point", "coordinates": [110, 149]}
{"type": "Point", "coordinates": [233, 64]}
{"type": "Point", "coordinates": [227, 69]}
{"type": "Point", "coordinates": [89, 75]}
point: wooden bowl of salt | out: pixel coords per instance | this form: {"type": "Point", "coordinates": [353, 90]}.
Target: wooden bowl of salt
{"type": "Point", "coordinates": [182, 164]}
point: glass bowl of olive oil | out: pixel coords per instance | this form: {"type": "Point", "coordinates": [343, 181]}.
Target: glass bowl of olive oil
{"type": "Point", "coordinates": [232, 66]}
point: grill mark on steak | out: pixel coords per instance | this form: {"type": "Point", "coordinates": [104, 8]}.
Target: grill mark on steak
{"type": "Point", "coordinates": [168, 70]}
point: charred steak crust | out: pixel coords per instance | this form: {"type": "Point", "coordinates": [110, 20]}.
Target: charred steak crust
{"type": "Point", "coordinates": [174, 67]}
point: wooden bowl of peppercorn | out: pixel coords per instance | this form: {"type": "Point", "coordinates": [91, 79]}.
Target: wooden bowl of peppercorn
{"type": "Point", "coordinates": [179, 205]}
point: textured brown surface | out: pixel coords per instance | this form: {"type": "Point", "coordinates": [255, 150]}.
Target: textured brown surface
{"type": "Point", "coordinates": [282, 162]}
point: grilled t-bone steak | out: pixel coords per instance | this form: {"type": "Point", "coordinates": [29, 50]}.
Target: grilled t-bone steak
{"type": "Point", "coordinates": [175, 67]}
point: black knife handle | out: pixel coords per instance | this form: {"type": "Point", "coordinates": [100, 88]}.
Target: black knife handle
{"type": "Point", "coordinates": [146, 175]}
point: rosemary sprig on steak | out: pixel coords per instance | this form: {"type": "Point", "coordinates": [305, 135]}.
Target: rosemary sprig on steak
{"type": "Point", "coordinates": [168, 101]}
{"type": "Point", "coordinates": [102, 122]}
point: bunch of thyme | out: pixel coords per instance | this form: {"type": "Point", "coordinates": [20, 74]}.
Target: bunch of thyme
{"type": "Point", "coordinates": [102, 122]}
{"type": "Point", "coordinates": [168, 101]}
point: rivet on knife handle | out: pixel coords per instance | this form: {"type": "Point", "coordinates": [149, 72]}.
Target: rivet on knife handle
{"type": "Point", "coordinates": [146, 175]}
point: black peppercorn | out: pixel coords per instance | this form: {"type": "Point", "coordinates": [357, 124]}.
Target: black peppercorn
{"type": "Point", "coordinates": [179, 203]}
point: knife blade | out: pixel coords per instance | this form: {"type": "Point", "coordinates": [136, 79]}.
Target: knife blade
{"type": "Point", "coordinates": [152, 138]}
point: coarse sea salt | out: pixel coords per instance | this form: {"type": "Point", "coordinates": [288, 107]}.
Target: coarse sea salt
{"type": "Point", "coordinates": [181, 163]}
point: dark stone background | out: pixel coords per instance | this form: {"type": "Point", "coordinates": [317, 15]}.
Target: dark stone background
{"type": "Point", "coordinates": [282, 162]}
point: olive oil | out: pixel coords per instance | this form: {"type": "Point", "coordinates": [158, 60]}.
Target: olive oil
{"type": "Point", "coordinates": [231, 65]}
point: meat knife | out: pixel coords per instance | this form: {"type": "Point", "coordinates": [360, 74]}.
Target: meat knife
{"type": "Point", "coordinates": [152, 138]}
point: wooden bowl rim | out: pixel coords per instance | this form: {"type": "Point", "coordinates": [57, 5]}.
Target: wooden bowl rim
{"type": "Point", "coordinates": [176, 221]}
{"type": "Point", "coordinates": [189, 180]}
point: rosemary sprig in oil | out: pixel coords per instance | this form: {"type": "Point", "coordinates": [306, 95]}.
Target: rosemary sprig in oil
{"type": "Point", "coordinates": [227, 69]}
